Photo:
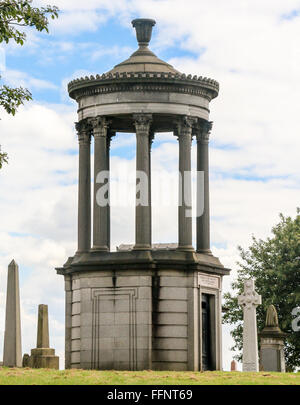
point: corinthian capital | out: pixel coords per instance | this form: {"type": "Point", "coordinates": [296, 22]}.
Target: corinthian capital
{"type": "Point", "coordinates": [142, 123]}
{"type": "Point", "coordinates": [184, 126]}
{"type": "Point", "coordinates": [83, 129]}
{"type": "Point", "coordinates": [204, 130]}
{"type": "Point", "coordinates": [100, 126]}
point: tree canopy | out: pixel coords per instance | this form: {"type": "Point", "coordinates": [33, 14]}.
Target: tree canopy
{"type": "Point", "coordinates": [14, 16]}
{"type": "Point", "coordinates": [274, 263]}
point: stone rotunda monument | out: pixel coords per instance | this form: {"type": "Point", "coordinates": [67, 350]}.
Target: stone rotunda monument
{"type": "Point", "coordinates": [143, 307]}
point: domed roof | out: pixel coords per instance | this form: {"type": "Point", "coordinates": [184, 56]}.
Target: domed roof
{"type": "Point", "coordinates": [144, 72]}
{"type": "Point", "coordinates": [143, 60]}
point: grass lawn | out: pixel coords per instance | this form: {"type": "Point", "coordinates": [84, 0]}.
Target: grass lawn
{"type": "Point", "coordinates": [28, 376]}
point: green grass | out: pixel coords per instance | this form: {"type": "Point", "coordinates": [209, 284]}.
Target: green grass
{"type": "Point", "coordinates": [82, 377]}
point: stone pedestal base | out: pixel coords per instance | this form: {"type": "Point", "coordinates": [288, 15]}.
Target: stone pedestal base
{"type": "Point", "coordinates": [43, 358]}
{"type": "Point", "coordinates": [272, 354]}
{"type": "Point", "coordinates": [142, 310]}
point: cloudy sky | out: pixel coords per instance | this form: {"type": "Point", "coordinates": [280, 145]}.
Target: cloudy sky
{"type": "Point", "coordinates": [250, 46]}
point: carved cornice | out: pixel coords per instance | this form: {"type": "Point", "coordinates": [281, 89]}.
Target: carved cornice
{"type": "Point", "coordinates": [144, 82]}
{"type": "Point", "coordinates": [203, 131]}
{"type": "Point", "coordinates": [142, 123]}
{"type": "Point", "coordinates": [83, 129]}
{"type": "Point", "coordinates": [100, 126]}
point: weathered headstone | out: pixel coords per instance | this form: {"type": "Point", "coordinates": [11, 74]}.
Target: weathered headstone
{"type": "Point", "coordinates": [233, 366]}
{"type": "Point", "coordinates": [12, 352]}
{"type": "Point", "coordinates": [43, 356]}
{"type": "Point", "coordinates": [249, 300]}
{"type": "Point", "coordinates": [272, 343]}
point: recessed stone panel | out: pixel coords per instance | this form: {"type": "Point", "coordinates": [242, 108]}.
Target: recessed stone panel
{"type": "Point", "coordinates": [171, 306]}
{"type": "Point", "coordinates": [167, 343]}
{"type": "Point", "coordinates": [75, 357]}
{"type": "Point", "coordinates": [170, 355]}
{"type": "Point", "coordinates": [75, 334]}
{"type": "Point", "coordinates": [76, 308]}
{"type": "Point", "coordinates": [172, 331]}
{"type": "Point", "coordinates": [171, 318]}
{"type": "Point", "coordinates": [173, 293]}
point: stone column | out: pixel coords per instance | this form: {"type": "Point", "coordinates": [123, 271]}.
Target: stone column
{"type": "Point", "coordinates": [142, 124]}
{"type": "Point", "coordinates": [110, 135]}
{"type": "Point", "coordinates": [101, 226]}
{"type": "Point", "coordinates": [43, 327]}
{"type": "Point", "coordinates": [203, 226]}
{"type": "Point", "coordinates": [184, 134]}
{"type": "Point", "coordinates": [84, 187]}
{"type": "Point", "coordinates": [249, 300]}
{"type": "Point", "coordinates": [12, 352]}
{"type": "Point", "coordinates": [151, 139]}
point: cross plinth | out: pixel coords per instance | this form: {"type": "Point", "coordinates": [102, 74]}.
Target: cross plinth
{"type": "Point", "coordinates": [249, 300]}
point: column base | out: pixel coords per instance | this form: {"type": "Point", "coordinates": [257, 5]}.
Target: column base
{"type": "Point", "coordinates": [43, 358]}
{"type": "Point", "coordinates": [100, 249]}
{"type": "Point", "coordinates": [188, 248]}
{"type": "Point", "coordinates": [142, 247]}
{"type": "Point", "coordinates": [205, 251]}
{"type": "Point", "coordinates": [81, 252]}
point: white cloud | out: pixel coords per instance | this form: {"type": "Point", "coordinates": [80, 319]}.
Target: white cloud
{"type": "Point", "coordinates": [16, 78]}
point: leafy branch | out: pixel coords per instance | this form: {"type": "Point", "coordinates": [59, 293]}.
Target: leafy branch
{"type": "Point", "coordinates": [11, 99]}
{"type": "Point", "coordinates": [21, 13]}
{"type": "Point", "coordinates": [15, 14]}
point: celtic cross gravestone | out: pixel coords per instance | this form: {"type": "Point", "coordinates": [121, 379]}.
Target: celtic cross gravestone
{"type": "Point", "coordinates": [249, 300]}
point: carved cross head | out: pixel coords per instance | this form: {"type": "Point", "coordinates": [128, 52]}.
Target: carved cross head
{"type": "Point", "coordinates": [249, 299]}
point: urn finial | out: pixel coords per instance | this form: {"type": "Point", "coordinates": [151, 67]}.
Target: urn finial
{"type": "Point", "coordinates": [143, 28]}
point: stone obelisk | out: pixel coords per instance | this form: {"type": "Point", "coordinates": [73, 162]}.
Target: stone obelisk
{"type": "Point", "coordinates": [249, 300]}
{"type": "Point", "coordinates": [12, 353]}
{"type": "Point", "coordinates": [43, 356]}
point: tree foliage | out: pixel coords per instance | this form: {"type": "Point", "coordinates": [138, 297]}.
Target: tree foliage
{"type": "Point", "coordinates": [11, 99]}
{"type": "Point", "coordinates": [274, 263]}
{"type": "Point", "coordinates": [15, 15]}
{"type": "Point", "coordinates": [21, 13]}
{"type": "Point", "coordinates": [3, 158]}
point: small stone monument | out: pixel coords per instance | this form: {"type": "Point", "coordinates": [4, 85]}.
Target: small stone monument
{"type": "Point", "coordinates": [12, 353]}
{"type": "Point", "coordinates": [43, 356]}
{"type": "Point", "coordinates": [272, 343]}
{"type": "Point", "coordinates": [26, 359]}
{"type": "Point", "coordinates": [233, 366]}
{"type": "Point", "coordinates": [249, 300]}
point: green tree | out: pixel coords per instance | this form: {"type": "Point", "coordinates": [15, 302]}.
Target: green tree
{"type": "Point", "coordinates": [274, 263]}
{"type": "Point", "coordinates": [15, 14]}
